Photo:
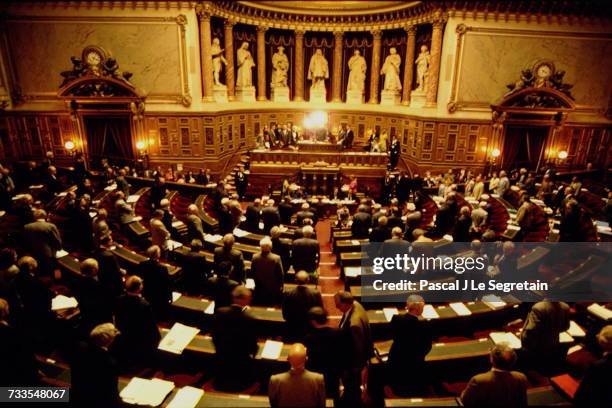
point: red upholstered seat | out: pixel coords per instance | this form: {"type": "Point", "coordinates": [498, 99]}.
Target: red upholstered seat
{"type": "Point", "coordinates": [566, 384]}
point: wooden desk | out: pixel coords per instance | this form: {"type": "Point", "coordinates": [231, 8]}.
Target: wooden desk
{"type": "Point", "coordinates": [307, 146]}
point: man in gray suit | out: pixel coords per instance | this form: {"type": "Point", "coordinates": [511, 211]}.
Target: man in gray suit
{"type": "Point", "coordinates": [297, 387]}
{"type": "Point", "coordinates": [43, 240]}
{"type": "Point", "coordinates": [504, 184]}
{"type": "Point", "coordinates": [194, 223]}
{"type": "Point", "coordinates": [267, 271]}
{"type": "Point", "coordinates": [499, 387]}
{"type": "Point", "coordinates": [356, 328]}
{"type": "Point", "coordinates": [540, 335]}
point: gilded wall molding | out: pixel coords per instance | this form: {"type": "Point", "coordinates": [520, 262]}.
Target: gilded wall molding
{"type": "Point", "coordinates": [462, 30]}
{"type": "Point", "coordinates": [184, 97]}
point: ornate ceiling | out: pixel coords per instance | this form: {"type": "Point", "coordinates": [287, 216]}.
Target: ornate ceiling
{"type": "Point", "coordinates": [331, 7]}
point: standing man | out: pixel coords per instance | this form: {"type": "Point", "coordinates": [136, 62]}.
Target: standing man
{"type": "Point", "coordinates": [267, 271]}
{"type": "Point", "coordinates": [394, 152]}
{"type": "Point", "coordinates": [43, 240]}
{"type": "Point", "coordinates": [241, 182]}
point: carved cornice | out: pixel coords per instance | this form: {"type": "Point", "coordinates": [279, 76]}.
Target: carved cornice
{"type": "Point", "coordinates": [262, 29]}
{"type": "Point", "coordinates": [338, 35]}
{"type": "Point", "coordinates": [411, 30]}
{"type": "Point", "coordinates": [376, 34]}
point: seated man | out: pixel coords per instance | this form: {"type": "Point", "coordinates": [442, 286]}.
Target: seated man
{"type": "Point", "coordinates": [267, 271]}
{"type": "Point", "coordinates": [499, 387]}
{"type": "Point", "coordinates": [298, 387]}
{"type": "Point", "coordinates": [296, 304]}
{"type": "Point", "coordinates": [235, 339]}
{"type": "Point", "coordinates": [306, 252]}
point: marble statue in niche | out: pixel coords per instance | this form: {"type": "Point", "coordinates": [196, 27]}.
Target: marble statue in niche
{"type": "Point", "coordinates": [357, 72]}
{"type": "Point", "coordinates": [318, 70]}
{"type": "Point", "coordinates": [217, 61]}
{"type": "Point", "coordinates": [422, 66]}
{"type": "Point", "coordinates": [391, 71]}
{"type": "Point", "coordinates": [280, 69]}
{"type": "Point", "coordinates": [245, 63]}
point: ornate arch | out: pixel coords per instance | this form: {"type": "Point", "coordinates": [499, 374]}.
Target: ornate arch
{"type": "Point", "coordinates": [98, 87]}
{"type": "Point", "coordinates": [533, 97]}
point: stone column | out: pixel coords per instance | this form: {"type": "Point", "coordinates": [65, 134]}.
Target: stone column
{"type": "Point", "coordinates": [206, 54]}
{"type": "Point", "coordinates": [228, 40]}
{"type": "Point", "coordinates": [337, 73]}
{"type": "Point", "coordinates": [434, 67]}
{"type": "Point", "coordinates": [409, 64]}
{"type": "Point", "coordinates": [261, 63]}
{"type": "Point", "coordinates": [375, 68]}
{"type": "Point", "coordinates": [298, 73]}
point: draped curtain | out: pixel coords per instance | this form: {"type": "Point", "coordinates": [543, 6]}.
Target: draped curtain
{"type": "Point", "coordinates": [275, 39]}
{"type": "Point", "coordinates": [109, 138]}
{"type": "Point", "coordinates": [313, 41]}
{"type": "Point", "coordinates": [523, 147]}
{"type": "Point", "coordinates": [361, 41]}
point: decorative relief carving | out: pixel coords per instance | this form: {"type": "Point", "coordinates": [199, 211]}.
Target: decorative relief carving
{"type": "Point", "coordinates": [541, 75]}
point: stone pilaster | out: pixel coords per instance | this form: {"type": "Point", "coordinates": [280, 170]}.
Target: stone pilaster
{"type": "Point", "coordinates": [433, 74]}
{"type": "Point", "coordinates": [204, 15]}
{"type": "Point", "coordinates": [261, 63]}
{"type": "Point", "coordinates": [337, 72]}
{"type": "Point", "coordinates": [375, 68]}
{"type": "Point", "coordinates": [228, 40]}
{"type": "Point", "coordinates": [409, 64]}
{"type": "Point", "coordinates": [298, 73]}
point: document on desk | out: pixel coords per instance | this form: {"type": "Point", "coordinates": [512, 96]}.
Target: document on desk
{"type": "Point", "coordinates": [355, 242]}
{"type": "Point", "coordinates": [575, 330]}
{"type": "Point", "coordinates": [61, 302]}
{"type": "Point", "coordinates": [240, 233]}
{"type": "Point", "coordinates": [460, 308]}
{"type": "Point", "coordinates": [178, 338]}
{"type": "Point", "coordinates": [172, 245]}
{"type": "Point", "coordinates": [352, 271]}
{"type": "Point", "coordinates": [112, 187]}
{"type": "Point", "coordinates": [210, 309]}
{"type": "Point", "coordinates": [564, 337]}
{"type": "Point", "coordinates": [600, 311]}
{"type": "Point", "coordinates": [506, 337]}
{"type": "Point", "coordinates": [272, 349]}
{"type": "Point", "coordinates": [213, 238]}
{"type": "Point", "coordinates": [493, 301]}
{"type": "Point", "coordinates": [177, 224]}
{"type": "Point", "coordinates": [429, 312]}
{"type": "Point", "coordinates": [250, 283]}
{"type": "Point", "coordinates": [60, 254]}
{"type": "Point", "coordinates": [141, 391]}
{"type": "Point", "coordinates": [132, 198]}
{"type": "Point", "coordinates": [186, 397]}
{"type": "Point", "coordinates": [389, 312]}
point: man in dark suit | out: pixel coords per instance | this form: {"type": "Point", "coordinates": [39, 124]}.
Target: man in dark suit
{"type": "Point", "coordinates": [413, 221]}
{"type": "Point", "coordinates": [304, 214]}
{"type": "Point", "coordinates": [461, 232]}
{"type": "Point", "coordinates": [326, 350]}
{"type": "Point", "coordinates": [51, 181]}
{"type": "Point", "coordinates": [224, 216]}
{"type": "Point", "coordinates": [306, 252]}
{"type": "Point", "coordinates": [21, 368]}
{"type": "Point", "coordinates": [194, 224]}
{"type": "Point", "coordinates": [540, 335]}
{"type": "Point", "coordinates": [394, 152]}
{"type": "Point", "coordinates": [241, 182]}
{"type": "Point", "coordinates": [94, 307]}
{"type": "Point", "coordinates": [95, 374]}
{"type": "Point", "coordinates": [228, 253]}
{"type": "Point", "coordinates": [296, 304]}
{"type": "Point", "coordinates": [267, 271]}
{"type": "Point", "coordinates": [411, 342]}
{"type": "Point", "coordinates": [156, 279]}
{"type": "Point", "coordinates": [444, 220]}
{"type": "Point", "coordinates": [281, 247]}
{"type": "Point", "coordinates": [270, 217]}
{"type": "Point", "coordinates": [43, 240]}
{"type": "Point", "coordinates": [110, 274]}
{"type": "Point", "coordinates": [362, 221]}
{"type": "Point", "coordinates": [195, 268]}
{"type": "Point", "coordinates": [252, 217]}
{"type": "Point", "coordinates": [134, 319]}
{"type": "Point", "coordinates": [499, 387]}
{"type": "Point", "coordinates": [594, 389]}
{"type": "Point", "coordinates": [122, 184]}
{"type": "Point", "coordinates": [356, 328]}
{"type": "Point", "coordinates": [158, 191]}
{"type": "Point", "coordinates": [235, 338]}
{"type": "Point", "coordinates": [285, 210]}
{"type": "Point", "coordinates": [381, 232]}
{"type": "Point", "coordinates": [349, 136]}
{"type": "Point", "coordinates": [403, 187]}
{"type": "Point", "coordinates": [220, 286]}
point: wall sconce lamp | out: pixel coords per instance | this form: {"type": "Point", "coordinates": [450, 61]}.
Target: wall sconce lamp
{"type": "Point", "coordinates": [562, 155]}
{"type": "Point", "coordinates": [495, 153]}
{"type": "Point", "coordinates": [69, 145]}
{"type": "Point", "coordinates": [140, 145]}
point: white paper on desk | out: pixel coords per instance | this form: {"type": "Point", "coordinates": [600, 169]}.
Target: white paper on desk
{"type": "Point", "coordinates": [177, 223]}
{"type": "Point", "coordinates": [506, 337]}
{"type": "Point", "coordinates": [172, 245]}
{"type": "Point", "coordinates": [564, 337]}
{"type": "Point", "coordinates": [390, 312]}
{"type": "Point", "coordinates": [132, 198]}
{"type": "Point", "coordinates": [111, 187]}
{"type": "Point", "coordinates": [460, 308]}
{"type": "Point", "coordinates": [512, 216]}
{"type": "Point", "coordinates": [261, 225]}
{"type": "Point", "coordinates": [575, 330]}
{"type": "Point", "coordinates": [62, 194]}
{"type": "Point", "coordinates": [282, 228]}
{"type": "Point", "coordinates": [272, 349]}
{"type": "Point", "coordinates": [61, 302]}
{"type": "Point", "coordinates": [513, 227]}
{"type": "Point", "coordinates": [210, 309]}
{"type": "Point", "coordinates": [493, 301]}
{"type": "Point", "coordinates": [186, 397]}
{"type": "Point", "coordinates": [212, 238]}
{"type": "Point", "coordinates": [429, 312]}
{"type": "Point", "coordinates": [355, 242]}
{"type": "Point", "coordinates": [240, 233]}
{"type": "Point", "coordinates": [36, 187]}
{"type": "Point", "coordinates": [352, 271]}
{"type": "Point", "coordinates": [600, 311]}
{"type": "Point", "coordinates": [92, 214]}
{"type": "Point", "coordinates": [250, 283]}
{"type": "Point", "coordinates": [141, 391]}
{"type": "Point", "coordinates": [60, 254]}
{"type": "Point", "coordinates": [574, 349]}
{"type": "Point", "coordinates": [176, 296]}
{"type": "Point", "coordinates": [178, 338]}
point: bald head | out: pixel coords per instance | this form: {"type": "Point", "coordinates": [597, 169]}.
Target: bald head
{"type": "Point", "coordinates": [297, 356]}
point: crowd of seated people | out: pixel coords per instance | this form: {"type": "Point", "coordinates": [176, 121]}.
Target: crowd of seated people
{"type": "Point", "coordinates": [120, 310]}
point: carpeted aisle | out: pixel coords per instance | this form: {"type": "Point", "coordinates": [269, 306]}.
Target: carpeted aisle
{"type": "Point", "coordinates": [329, 272]}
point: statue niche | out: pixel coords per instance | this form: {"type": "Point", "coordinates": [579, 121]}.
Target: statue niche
{"type": "Point", "coordinates": [540, 86]}
{"type": "Point", "coordinates": [96, 74]}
